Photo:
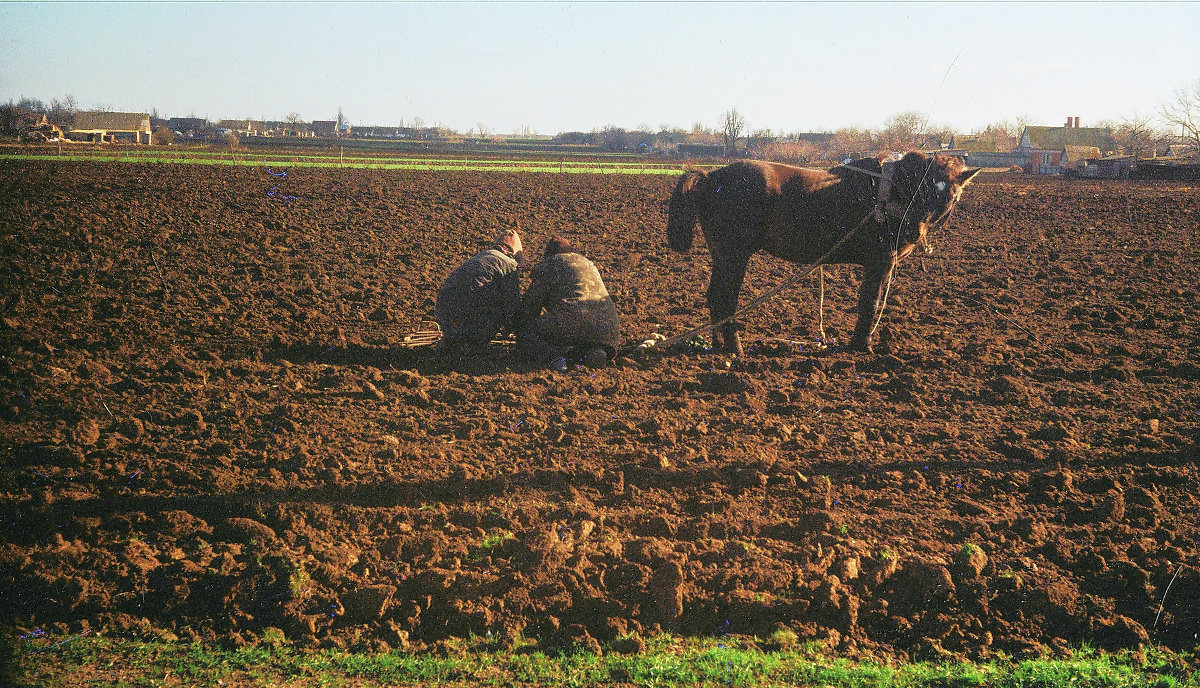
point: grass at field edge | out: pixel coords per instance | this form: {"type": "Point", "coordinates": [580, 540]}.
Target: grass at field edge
{"type": "Point", "coordinates": [432, 164]}
{"type": "Point", "coordinates": [666, 661]}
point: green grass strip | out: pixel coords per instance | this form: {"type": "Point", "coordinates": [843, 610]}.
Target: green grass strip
{"type": "Point", "coordinates": [435, 166]}
{"type": "Point", "coordinates": [172, 154]}
{"type": "Point", "coordinates": [667, 661]}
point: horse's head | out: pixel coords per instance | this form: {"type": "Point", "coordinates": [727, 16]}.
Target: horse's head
{"type": "Point", "coordinates": [681, 211]}
{"type": "Point", "coordinates": [928, 189]}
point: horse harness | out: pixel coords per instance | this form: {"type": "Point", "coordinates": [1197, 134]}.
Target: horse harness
{"type": "Point", "coordinates": [883, 197]}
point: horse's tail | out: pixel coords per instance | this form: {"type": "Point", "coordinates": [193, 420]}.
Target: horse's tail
{"type": "Point", "coordinates": [681, 213]}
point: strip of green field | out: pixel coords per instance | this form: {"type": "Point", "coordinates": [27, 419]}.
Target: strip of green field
{"type": "Point", "coordinates": [665, 661]}
{"type": "Point", "coordinates": [165, 154]}
{"type": "Point", "coordinates": [434, 164]}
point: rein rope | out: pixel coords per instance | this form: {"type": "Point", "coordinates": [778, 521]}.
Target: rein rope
{"type": "Point", "coordinates": [887, 290]}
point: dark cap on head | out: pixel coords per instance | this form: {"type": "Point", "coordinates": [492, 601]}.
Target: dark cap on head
{"type": "Point", "coordinates": [558, 245]}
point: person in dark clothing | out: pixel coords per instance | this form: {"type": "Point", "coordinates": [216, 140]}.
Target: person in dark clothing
{"type": "Point", "coordinates": [566, 311]}
{"type": "Point", "coordinates": [481, 297]}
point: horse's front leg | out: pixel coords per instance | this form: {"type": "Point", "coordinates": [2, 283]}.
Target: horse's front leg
{"type": "Point", "coordinates": [870, 301]}
{"type": "Point", "coordinates": [727, 276]}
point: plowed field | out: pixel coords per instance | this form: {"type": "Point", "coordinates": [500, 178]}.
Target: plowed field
{"type": "Point", "coordinates": [208, 429]}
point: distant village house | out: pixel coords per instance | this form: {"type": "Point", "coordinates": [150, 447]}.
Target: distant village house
{"type": "Point", "coordinates": [187, 126]}
{"type": "Point", "coordinates": [1049, 147]}
{"type": "Point", "coordinates": [42, 129]}
{"type": "Point", "coordinates": [324, 127]}
{"type": "Point", "coordinates": [112, 127]}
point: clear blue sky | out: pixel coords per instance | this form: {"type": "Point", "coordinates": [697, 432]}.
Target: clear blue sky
{"type": "Point", "coordinates": [561, 67]}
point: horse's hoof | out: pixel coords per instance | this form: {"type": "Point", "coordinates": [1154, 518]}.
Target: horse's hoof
{"type": "Point", "coordinates": [861, 346]}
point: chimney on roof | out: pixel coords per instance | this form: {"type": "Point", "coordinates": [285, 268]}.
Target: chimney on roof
{"type": "Point", "coordinates": [1076, 122]}
{"type": "Point", "coordinates": [1068, 125]}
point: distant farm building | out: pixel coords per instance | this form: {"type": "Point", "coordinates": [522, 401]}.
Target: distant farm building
{"type": "Point", "coordinates": [187, 126]}
{"type": "Point", "coordinates": [113, 127]}
{"type": "Point", "coordinates": [701, 150]}
{"type": "Point", "coordinates": [378, 133]}
{"type": "Point", "coordinates": [1180, 150]}
{"type": "Point", "coordinates": [1129, 167]}
{"type": "Point", "coordinates": [1047, 146]}
{"type": "Point", "coordinates": [1074, 158]}
{"type": "Point", "coordinates": [43, 129]}
{"type": "Point", "coordinates": [323, 127]}
{"type": "Point", "coordinates": [241, 127]}
{"type": "Point", "coordinates": [999, 160]}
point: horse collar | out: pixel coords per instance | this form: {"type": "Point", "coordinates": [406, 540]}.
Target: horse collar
{"type": "Point", "coordinates": [885, 191]}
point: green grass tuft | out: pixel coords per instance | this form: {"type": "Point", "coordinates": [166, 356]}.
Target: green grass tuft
{"type": "Point", "coordinates": [667, 661]}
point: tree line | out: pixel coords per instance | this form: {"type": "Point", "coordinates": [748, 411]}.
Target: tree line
{"type": "Point", "coordinates": [1177, 124]}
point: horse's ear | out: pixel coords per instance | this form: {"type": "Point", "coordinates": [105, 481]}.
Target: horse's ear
{"type": "Point", "coordinates": [965, 178]}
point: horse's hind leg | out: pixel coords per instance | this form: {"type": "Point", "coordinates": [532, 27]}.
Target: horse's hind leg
{"type": "Point", "coordinates": [870, 302]}
{"type": "Point", "coordinates": [727, 276]}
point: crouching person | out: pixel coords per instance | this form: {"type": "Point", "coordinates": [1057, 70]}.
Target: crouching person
{"type": "Point", "coordinates": [566, 311]}
{"type": "Point", "coordinates": [480, 298]}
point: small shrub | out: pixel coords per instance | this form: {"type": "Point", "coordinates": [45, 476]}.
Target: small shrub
{"type": "Point", "coordinates": [783, 640]}
{"type": "Point", "coordinates": [273, 636]}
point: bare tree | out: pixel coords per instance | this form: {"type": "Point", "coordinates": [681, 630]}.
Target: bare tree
{"type": "Point", "coordinates": [732, 125]}
{"type": "Point", "coordinates": [614, 139]}
{"type": "Point", "coordinates": [902, 132]}
{"type": "Point", "coordinates": [852, 141]}
{"type": "Point", "coordinates": [998, 136]}
{"type": "Point", "coordinates": [61, 111]}
{"type": "Point", "coordinates": [10, 119]}
{"type": "Point", "coordinates": [484, 130]}
{"type": "Point", "coordinates": [1183, 116]}
{"type": "Point", "coordinates": [292, 122]}
{"type": "Point", "coordinates": [1135, 135]}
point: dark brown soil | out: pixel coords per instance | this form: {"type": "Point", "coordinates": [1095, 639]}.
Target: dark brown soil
{"type": "Point", "coordinates": [208, 429]}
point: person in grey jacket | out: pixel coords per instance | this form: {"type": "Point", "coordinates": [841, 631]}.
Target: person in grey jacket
{"type": "Point", "coordinates": [480, 298]}
{"type": "Point", "coordinates": [567, 311]}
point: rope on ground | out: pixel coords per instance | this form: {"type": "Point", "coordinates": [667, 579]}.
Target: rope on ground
{"type": "Point", "coordinates": [428, 333]}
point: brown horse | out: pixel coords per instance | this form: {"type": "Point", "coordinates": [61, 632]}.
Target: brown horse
{"type": "Point", "coordinates": [799, 215]}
